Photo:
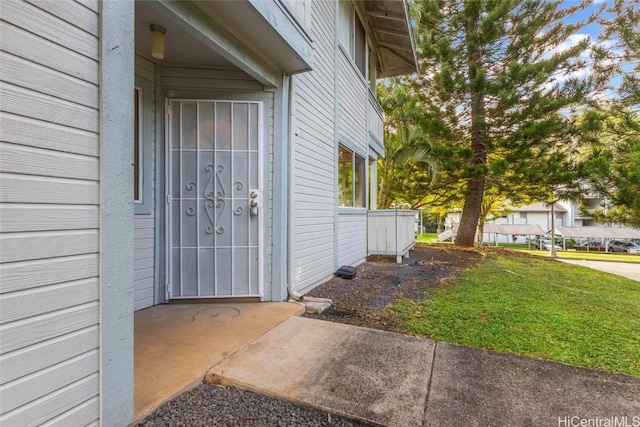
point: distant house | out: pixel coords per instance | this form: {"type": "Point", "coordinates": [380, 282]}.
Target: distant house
{"type": "Point", "coordinates": [566, 214]}
{"type": "Point", "coordinates": [161, 150]}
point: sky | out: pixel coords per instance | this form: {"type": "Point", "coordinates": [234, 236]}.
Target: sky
{"type": "Point", "coordinates": [593, 31]}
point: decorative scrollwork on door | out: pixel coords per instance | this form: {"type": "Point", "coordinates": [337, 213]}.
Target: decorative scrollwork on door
{"type": "Point", "coordinates": [214, 200]}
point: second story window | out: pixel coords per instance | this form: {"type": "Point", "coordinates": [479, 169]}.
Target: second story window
{"type": "Point", "coordinates": [352, 36]}
{"type": "Point", "coordinates": [360, 46]}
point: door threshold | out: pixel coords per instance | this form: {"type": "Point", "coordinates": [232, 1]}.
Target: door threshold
{"type": "Point", "coordinates": [214, 300]}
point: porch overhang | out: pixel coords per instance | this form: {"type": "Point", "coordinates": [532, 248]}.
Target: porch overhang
{"type": "Point", "coordinates": [390, 23]}
{"type": "Point", "coordinates": [267, 28]}
{"type": "Point", "coordinates": [260, 37]}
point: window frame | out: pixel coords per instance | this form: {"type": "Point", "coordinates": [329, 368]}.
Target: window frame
{"type": "Point", "coordinates": [138, 173]}
{"type": "Point", "coordinates": [357, 181]}
{"type": "Point", "coordinates": [360, 52]}
{"type": "Point", "coordinates": [143, 168]}
{"type": "Point", "coordinates": [358, 55]}
{"type": "Point", "coordinates": [347, 45]}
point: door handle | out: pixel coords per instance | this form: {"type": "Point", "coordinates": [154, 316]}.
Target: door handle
{"type": "Point", "coordinates": [253, 205]}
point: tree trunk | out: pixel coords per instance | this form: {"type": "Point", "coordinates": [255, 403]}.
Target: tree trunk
{"type": "Point", "coordinates": [470, 212]}
{"type": "Point", "coordinates": [475, 186]}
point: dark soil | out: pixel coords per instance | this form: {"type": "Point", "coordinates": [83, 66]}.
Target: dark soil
{"type": "Point", "coordinates": [379, 282]}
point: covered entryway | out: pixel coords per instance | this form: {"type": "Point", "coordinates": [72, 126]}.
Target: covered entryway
{"type": "Point", "coordinates": [175, 344]}
{"type": "Point", "coordinates": [211, 59]}
{"type": "Point", "coordinates": [214, 188]}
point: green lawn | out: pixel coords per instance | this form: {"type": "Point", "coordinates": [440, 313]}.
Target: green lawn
{"type": "Point", "coordinates": [426, 237]}
{"type": "Point", "coordinates": [591, 256]}
{"type": "Point", "coordinates": [535, 308]}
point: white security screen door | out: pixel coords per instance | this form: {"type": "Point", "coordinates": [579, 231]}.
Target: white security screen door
{"type": "Point", "coordinates": [214, 185]}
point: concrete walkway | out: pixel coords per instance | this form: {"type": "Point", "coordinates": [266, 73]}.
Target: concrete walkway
{"type": "Point", "coordinates": [396, 380]}
{"type": "Point", "coordinates": [175, 344]}
{"type": "Point", "coordinates": [624, 269]}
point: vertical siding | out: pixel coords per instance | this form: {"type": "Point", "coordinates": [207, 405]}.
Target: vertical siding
{"type": "Point", "coordinates": [144, 225]}
{"type": "Point", "coordinates": [49, 213]}
{"type": "Point", "coordinates": [233, 81]}
{"type": "Point", "coordinates": [313, 160]}
{"type": "Point", "coordinates": [352, 242]}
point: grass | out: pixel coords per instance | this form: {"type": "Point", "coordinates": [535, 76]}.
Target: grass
{"type": "Point", "coordinates": [589, 256]}
{"type": "Point", "coordinates": [426, 237]}
{"type": "Point", "coordinates": [592, 256]}
{"type": "Point", "coordinates": [535, 308]}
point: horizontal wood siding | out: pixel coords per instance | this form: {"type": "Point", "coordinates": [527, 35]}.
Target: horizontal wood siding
{"type": "Point", "coordinates": [313, 161]}
{"type": "Point", "coordinates": [144, 225]}
{"type": "Point", "coordinates": [190, 78]}
{"type": "Point", "coordinates": [353, 102]}
{"type": "Point", "coordinates": [49, 213]}
{"type": "Point", "coordinates": [352, 239]}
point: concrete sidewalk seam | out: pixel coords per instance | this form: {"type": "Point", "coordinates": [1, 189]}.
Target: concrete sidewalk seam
{"type": "Point", "coordinates": [426, 399]}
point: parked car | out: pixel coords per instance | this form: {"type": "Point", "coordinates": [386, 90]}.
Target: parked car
{"type": "Point", "coordinates": [546, 245]}
{"type": "Point", "coordinates": [588, 242]}
{"type": "Point", "coordinates": [627, 247]}
{"type": "Point", "coordinates": [591, 244]}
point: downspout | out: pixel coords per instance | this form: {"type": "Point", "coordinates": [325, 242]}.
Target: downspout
{"type": "Point", "coordinates": [291, 269]}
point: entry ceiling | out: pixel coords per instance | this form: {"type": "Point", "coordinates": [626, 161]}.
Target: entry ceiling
{"type": "Point", "coordinates": [181, 48]}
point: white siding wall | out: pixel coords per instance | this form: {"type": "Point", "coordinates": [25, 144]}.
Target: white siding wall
{"type": "Point", "coordinates": [352, 242]}
{"type": "Point", "coordinates": [144, 234]}
{"type": "Point", "coordinates": [190, 78]}
{"type": "Point", "coordinates": [353, 102]}
{"type": "Point", "coordinates": [314, 157]}
{"type": "Point", "coordinates": [49, 213]}
{"type": "Point", "coordinates": [232, 81]}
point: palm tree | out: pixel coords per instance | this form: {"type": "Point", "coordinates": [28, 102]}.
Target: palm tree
{"type": "Point", "coordinates": [409, 166]}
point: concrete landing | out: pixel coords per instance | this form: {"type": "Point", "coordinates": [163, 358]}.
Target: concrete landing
{"type": "Point", "coordinates": [176, 344]}
{"type": "Point", "coordinates": [390, 379]}
{"type": "Point", "coordinates": [370, 375]}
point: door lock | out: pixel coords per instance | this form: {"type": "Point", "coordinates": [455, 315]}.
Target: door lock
{"type": "Point", "coordinates": [253, 205]}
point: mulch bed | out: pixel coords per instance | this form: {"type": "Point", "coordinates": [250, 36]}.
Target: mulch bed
{"type": "Point", "coordinates": [380, 282]}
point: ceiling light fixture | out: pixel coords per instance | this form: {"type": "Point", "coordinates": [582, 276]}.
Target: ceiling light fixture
{"type": "Point", "coordinates": [157, 41]}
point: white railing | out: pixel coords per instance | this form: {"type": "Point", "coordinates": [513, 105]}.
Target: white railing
{"type": "Point", "coordinates": [445, 235]}
{"type": "Point", "coordinates": [375, 119]}
{"type": "Point", "coordinates": [391, 232]}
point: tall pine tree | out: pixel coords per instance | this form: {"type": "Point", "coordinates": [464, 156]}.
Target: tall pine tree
{"type": "Point", "coordinates": [498, 82]}
{"type": "Point", "coordinates": [613, 165]}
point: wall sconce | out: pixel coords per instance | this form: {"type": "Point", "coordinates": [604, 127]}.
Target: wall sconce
{"type": "Point", "coordinates": [157, 41]}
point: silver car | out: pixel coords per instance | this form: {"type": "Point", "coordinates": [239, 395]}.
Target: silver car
{"type": "Point", "coordinates": [626, 247]}
{"type": "Point", "coordinates": [546, 245]}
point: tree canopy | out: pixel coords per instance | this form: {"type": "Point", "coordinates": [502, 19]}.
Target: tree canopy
{"type": "Point", "coordinates": [499, 86]}
{"type": "Point", "coordinates": [613, 163]}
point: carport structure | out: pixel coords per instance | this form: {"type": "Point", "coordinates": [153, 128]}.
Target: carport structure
{"type": "Point", "coordinates": [513, 230]}
{"type": "Point", "coordinates": [607, 233]}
